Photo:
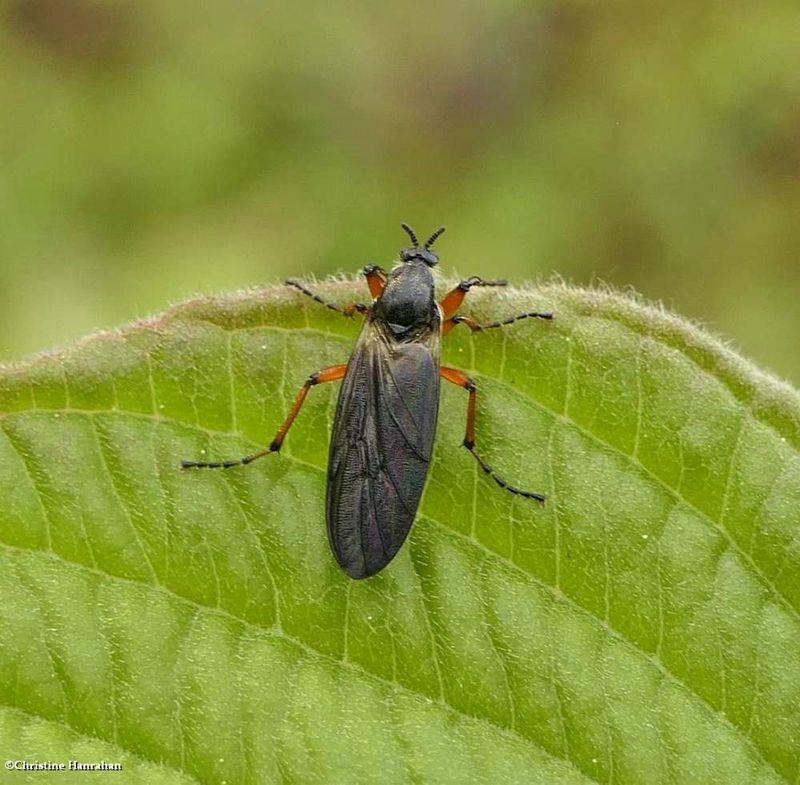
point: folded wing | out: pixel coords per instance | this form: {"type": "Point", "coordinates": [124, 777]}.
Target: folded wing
{"type": "Point", "coordinates": [381, 447]}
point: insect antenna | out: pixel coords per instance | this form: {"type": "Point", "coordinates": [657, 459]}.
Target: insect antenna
{"type": "Point", "coordinates": [411, 234]}
{"type": "Point", "coordinates": [434, 236]}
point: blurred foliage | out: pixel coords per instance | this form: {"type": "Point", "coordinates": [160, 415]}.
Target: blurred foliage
{"type": "Point", "coordinates": [151, 150]}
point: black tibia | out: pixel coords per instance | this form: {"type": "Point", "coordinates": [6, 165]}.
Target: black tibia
{"type": "Point", "coordinates": [347, 310]}
{"type": "Point", "coordinates": [455, 297]}
{"type": "Point", "coordinates": [455, 376]}
{"type": "Point", "coordinates": [499, 480]}
{"type": "Point", "coordinates": [331, 374]}
{"type": "Point", "coordinates": [224, 464]}
{"type": "Point", "coordinates": [474, 280]}
{"type": "Point", "coordinates": [476, 327]}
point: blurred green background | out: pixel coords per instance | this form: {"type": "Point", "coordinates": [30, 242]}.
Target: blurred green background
{"type": "Point", "coordinates": [153, 150]}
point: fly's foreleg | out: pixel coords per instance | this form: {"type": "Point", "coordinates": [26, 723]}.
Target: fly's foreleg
{"type": "Point", "coordinates": [453, 299]}
{"type": "Point", "coordinates": [332, 374]}
{"type": "Point", "coordinates": [347, 310]}
{"type": "Point", "coordinates": [455, 376]}
{"type": "Point", "coordinates": [376, 279]}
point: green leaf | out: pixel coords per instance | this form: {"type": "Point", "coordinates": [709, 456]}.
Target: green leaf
{"type": "Point", "coordinates": [640, 627]}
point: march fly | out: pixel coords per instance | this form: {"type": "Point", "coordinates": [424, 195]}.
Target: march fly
{"type": "Point", "coordinates": [383, 432]}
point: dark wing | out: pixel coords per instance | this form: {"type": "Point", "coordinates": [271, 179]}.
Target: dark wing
{"type": "Point", "coordinates": [381, 446]}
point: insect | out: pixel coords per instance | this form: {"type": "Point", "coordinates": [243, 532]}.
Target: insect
{"type": "Point", "coordinates": [383, 432]}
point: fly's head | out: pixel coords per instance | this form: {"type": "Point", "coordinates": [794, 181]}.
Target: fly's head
{"type": "Point", "coordinates": [421, 253]}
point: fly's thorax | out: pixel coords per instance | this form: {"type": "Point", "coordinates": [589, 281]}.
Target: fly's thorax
{"type": "Point", "coordinates": [408, 300]}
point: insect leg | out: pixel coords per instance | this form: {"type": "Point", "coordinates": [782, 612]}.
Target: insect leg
{"type": "Point", "coordinates": [453, 299]}
{"type": "Point", "coordinates": [376, 279]}
{"type": "Point", "coordinates": [455, 376]}
{"type": "Point", "coordinates": [332, 374]}
{"type": "Point", "coordinates": [347, 310]}
{"type": "Point", "coordinates": [450, 323]}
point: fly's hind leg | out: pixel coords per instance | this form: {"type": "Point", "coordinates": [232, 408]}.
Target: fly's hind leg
{"type": "Point", "coordinates": [455, 376]}
{"type": "Point", "coordinates": [332, 374]}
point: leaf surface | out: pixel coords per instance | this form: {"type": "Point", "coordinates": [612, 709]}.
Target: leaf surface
{"type": "Point", "coordinates": [640, 627]}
